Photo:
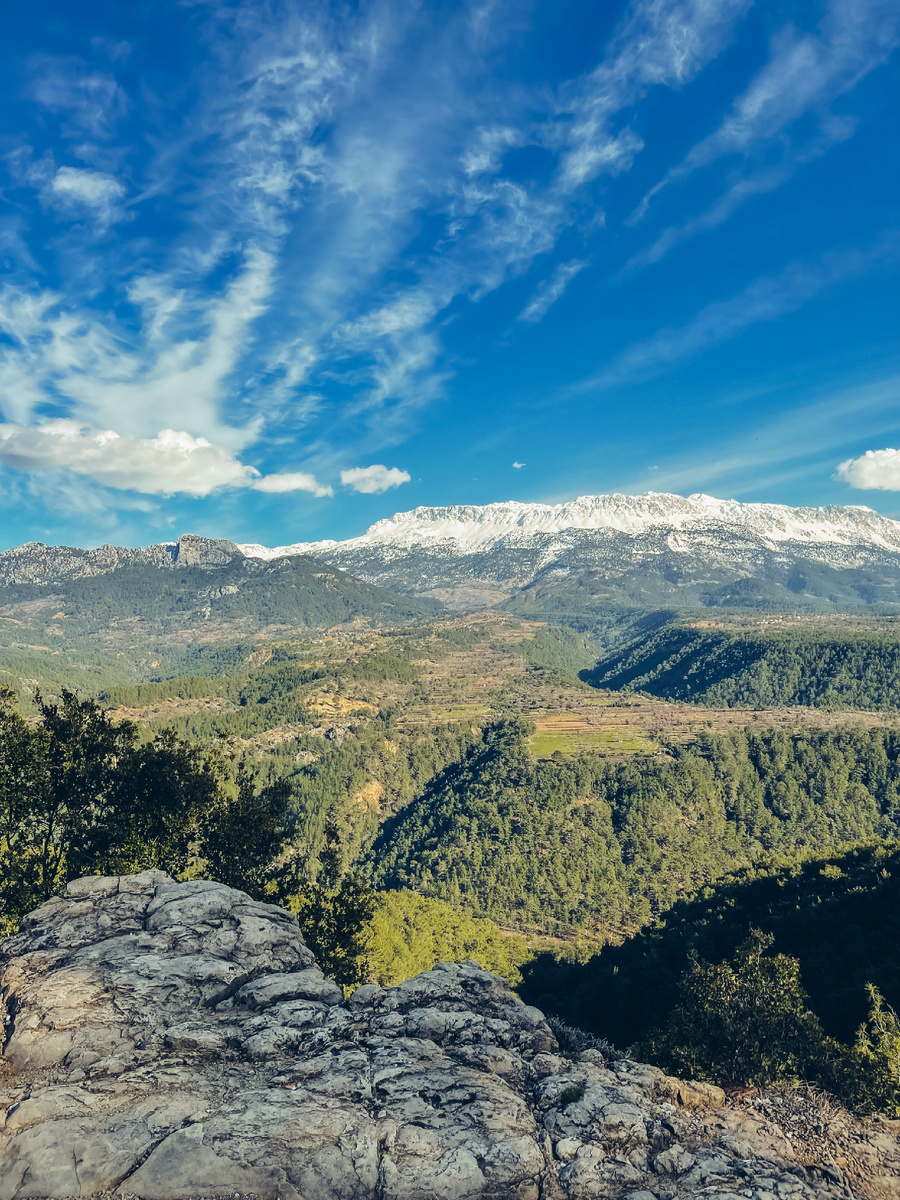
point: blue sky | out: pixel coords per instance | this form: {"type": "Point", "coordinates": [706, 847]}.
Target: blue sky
{"type": "Point", "coordinates": [274, 270]}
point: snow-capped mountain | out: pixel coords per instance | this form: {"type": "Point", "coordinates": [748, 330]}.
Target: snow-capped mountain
{"type": "Point", "coordinates": [649, 550]}
{"type": "Point", "coordinates": [471, 529]}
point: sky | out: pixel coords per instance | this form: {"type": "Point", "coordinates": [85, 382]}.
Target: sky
{"type": "Point", "coordinates": [274, 270]}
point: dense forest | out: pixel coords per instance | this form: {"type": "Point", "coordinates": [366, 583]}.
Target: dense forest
{"type": "Point", "coordinates": [760, 669]}
{"type": "Point", "coordinates": [594, 842]}
{"type": "Point", "coordinates": [837, 913]}
{"type": "Point", "coordinates": [787, 969]}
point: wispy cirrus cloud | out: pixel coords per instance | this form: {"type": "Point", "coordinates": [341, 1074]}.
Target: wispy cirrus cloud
{"type": "Point", "coordinates": [298, 175]}
{"type": "Point", "coordinates": [551, 290]}
{"type": "Point", "coordinates": [327, 190]}
{"type": "Point", "coordinates": [90, 103]}
{"type": "Point", "coordinates": [763, 300]}
{"type": "Point", "coordinates": [799, 442]}
{"type": "Point", "coordinates": [805, 74]}
{"type": "Point", "coordinates": [658, 43]}
{"type": "Point", "coordinates": [171, 372]}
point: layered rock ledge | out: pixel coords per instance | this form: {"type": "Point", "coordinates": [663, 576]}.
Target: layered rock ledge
{"type": "Point", "coordinates": [172, 1040]}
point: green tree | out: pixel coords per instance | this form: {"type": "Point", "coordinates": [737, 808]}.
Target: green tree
{"type": "Point", "coordinates": [334, 913]}
{"type": "Point", "coordinates": [242, 834]}
{"type": "Point", "coordinates": [872, 1073]}
{"type": "Point", "coordinates": [744, 1021]}
{"type": "Point", "coordinates": [79, 796]}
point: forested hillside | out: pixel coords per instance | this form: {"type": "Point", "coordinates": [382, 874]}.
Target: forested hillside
{"type": "Point", "coordinates": [768, 668]}
{"type": "Point", "coordinates": [464, 772]}
{"type": "Point", "coordinates": [140, 608]}
{"type": "Point", "coordinates": [595, 842]}
{"type": "Point", "coordinates": [838, 913]}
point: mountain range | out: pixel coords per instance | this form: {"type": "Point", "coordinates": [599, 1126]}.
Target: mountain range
{"type": "Point", "coordinates": [642, 551]}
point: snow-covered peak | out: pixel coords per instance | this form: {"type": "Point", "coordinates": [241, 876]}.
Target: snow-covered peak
{"type": "Point", "coordinates": [463, 529]}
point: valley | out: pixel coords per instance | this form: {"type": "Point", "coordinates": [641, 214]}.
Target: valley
{"type": "Point", "coordinates": [549, 779]}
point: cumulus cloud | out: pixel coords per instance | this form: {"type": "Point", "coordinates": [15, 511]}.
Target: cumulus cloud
{"type": "Point", "coordinates": [376, 478]}
{"type": "Point", "coordinates": [877, 470]}
{"type": "Point", "coordinates": [518, 466]}
{"type": "Point", "coordinates": [292, 481]}
{"type": "Point", "coordinates": [172, 462]}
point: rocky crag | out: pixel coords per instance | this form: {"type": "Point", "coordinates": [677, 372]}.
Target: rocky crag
{"type": "Point", "coordinates": [170, 1040]}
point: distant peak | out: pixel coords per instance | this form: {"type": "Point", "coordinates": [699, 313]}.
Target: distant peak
{"type": "Point", "coordinates": [463, 528]}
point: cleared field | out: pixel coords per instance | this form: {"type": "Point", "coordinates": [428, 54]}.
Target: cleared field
{"type": "Point", "coordinates": [574, 733]}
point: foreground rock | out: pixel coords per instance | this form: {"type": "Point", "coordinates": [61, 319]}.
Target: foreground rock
{"type": "Point", "coordinates": [169, 1040]}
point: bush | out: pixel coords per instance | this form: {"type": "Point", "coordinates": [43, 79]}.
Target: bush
{"type": "Point", "coordinates": [744, 1022]}
{"type": "Point", "coordinates": [871, 1075]}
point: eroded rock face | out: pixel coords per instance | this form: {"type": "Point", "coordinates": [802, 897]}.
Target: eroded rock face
{"type": "Point", "coordinates": [175, 1040]}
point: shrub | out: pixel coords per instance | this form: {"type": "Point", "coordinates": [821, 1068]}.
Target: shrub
{"type": "Point", "coordinates": [745, 1021]}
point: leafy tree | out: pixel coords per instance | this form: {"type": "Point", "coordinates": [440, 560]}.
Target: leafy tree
{"type": "Point", "coordinates": [333, 913]}
{"type": "Point", "coordinates": [744, 1021]}
{"type": "Point", "coordinates": [242, 835]}
{"type": "Point", "coordinates": [79, 795]}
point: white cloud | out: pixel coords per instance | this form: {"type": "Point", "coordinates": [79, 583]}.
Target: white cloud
{"type": "Point", "coordinates": [174, 371]}
{"type": "Point", "coordinates": [374, 479]}
{"type": "Point", "coordinates": [73, 188]}
{"type": "Point", "coordinates": [877, 470]}
{"type": "Point", "coordinates": [763, 300]}
{"type": "Point", "coordinates": [292, 481]}
{"type": "Point", "coordinates": [518, 466]}
{"type": "Point", "coordinates": [550, 291]}
{"type": "Point", "coordinates": [89, 102]}
{"type": "Point", "coordinates": [172, 462]}
{"type": "Point", "coordinates": [805, 73]}
{"type": "Point", "coordinates": [87, 187]}
{"type": "Point", "coordinates": [660, 42]}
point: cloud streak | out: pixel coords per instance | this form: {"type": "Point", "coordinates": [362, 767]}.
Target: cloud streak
{"type": "Point", "coordinates": [551, 290]}
{"type": "Point", "coordinates": [765, 299]}
{"type": "Point", "coordinates": [805, 74]}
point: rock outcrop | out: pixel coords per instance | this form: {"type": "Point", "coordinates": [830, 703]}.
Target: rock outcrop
{"type": "Point", "coordinates": [171, 1040]}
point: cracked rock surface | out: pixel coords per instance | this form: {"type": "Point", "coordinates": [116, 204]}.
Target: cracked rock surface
{"type": "Point", "coordinates": [171, 1041]}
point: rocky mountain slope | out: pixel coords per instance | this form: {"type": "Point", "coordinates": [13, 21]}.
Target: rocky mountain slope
{"type": "Point", "coordinates": [645, 550]}
{"type": "Point", "coordinates": [166, 1041]}
{"type": "Point", "coordinates": [195, 589]}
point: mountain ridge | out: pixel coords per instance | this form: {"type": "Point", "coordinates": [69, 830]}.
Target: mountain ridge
{"type": "Point", "coordinates": [645, 551]}
{"type": "Point", "coordinates": [478, 526]}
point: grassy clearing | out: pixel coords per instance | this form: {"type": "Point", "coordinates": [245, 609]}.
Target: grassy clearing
{"type": "Point", "coordinates": [576, 742]}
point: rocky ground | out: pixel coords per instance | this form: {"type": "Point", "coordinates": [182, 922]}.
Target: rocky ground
{"type": "Point", "coordinates": [166, 1041]}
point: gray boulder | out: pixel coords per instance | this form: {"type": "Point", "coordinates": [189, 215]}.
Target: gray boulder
{"type": "Point", "coordinates": [172, 1040]}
